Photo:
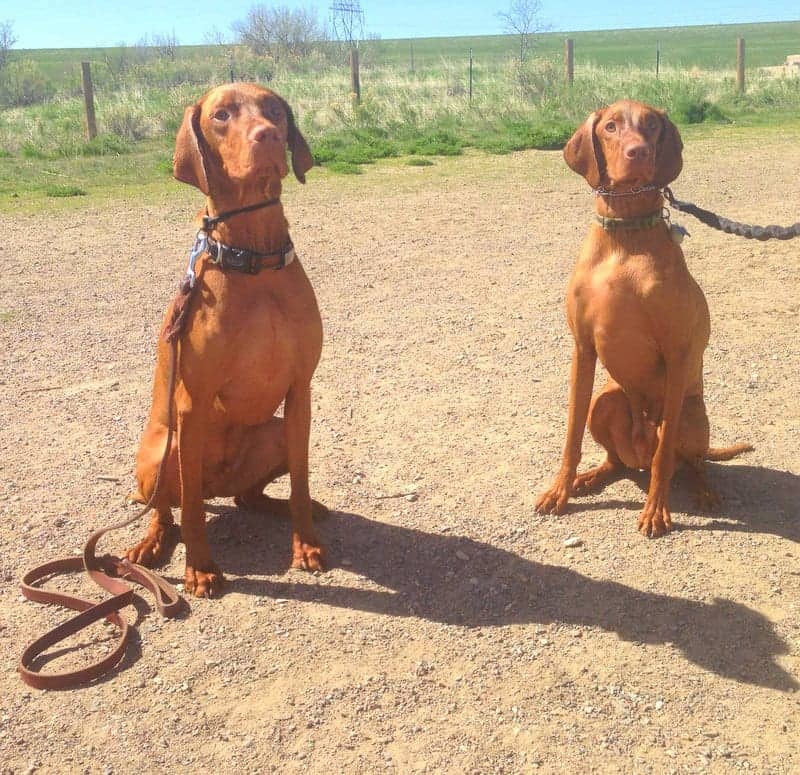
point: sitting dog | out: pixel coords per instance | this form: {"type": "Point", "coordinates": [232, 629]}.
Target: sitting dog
{"type": "Point", "coordinates": [632, 302]}
{"type": "Point", "coordinates": [252, 338]}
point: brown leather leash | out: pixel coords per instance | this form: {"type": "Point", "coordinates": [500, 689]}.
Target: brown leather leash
{"type": "Point", "coordinates": [107, 571]}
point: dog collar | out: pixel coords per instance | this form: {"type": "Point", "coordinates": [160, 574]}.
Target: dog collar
{"type": "Point", "coordinates": [630, 224]}
{"type": "Point", "coordinates": [248, 261]}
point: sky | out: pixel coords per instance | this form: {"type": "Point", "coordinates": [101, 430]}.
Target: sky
{"type": "Point", "coordinates": [92, 23]}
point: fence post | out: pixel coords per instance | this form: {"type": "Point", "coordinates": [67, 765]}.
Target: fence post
{"type": "Point", "coordinates": [412, 56]}
{"type": "Point", "coordinates": [230, 64]}
{"type": "Point", "coordinates": [355, 82]}
{"type": "Point", "coordinates": [569, 60]}
{"type": "Point", "coordinates": [470, 76]}
{"type": "Point", "coordinates": [88, 99]}
{"type": "Point", "coordinates": [658, 56]}
{"type": "Point", "coordinates": [740, 64]}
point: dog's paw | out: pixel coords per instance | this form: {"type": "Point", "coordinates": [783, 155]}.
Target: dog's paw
{"type": "Point", "coordinates": [655, 519]}
{"type": "Point", "coordinates": [203, 583]}
{"type": "Point", "coordinates": [155, 547]}
{"type": "Point", "coordinates": [308, 554]}
{"type": "Point", "coordinates": [554, 500]}
{"type": "Point", "coordinates": [594, 479]}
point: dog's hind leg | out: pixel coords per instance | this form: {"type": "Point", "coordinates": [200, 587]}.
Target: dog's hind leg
{"type": "Point", "coordinates": [268, 460]}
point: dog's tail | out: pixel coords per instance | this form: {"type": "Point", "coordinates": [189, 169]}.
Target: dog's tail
{"type": "Point", "coordinates": [727, 453]}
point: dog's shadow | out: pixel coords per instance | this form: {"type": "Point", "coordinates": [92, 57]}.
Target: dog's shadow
{"type": "Point", "coordinates": [753, 500]}
{"type": "Point", "coordinates": [426, 575]}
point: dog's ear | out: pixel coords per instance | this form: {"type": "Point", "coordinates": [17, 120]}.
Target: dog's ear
{"type": "Point", "coordinates": [582, 153]}
{"type": "Point", "coordinates": [302, 160]}
{"type": "Point", "coordinates": [189, 163]}
{"type": "Point", "coordinates": [669, 160]}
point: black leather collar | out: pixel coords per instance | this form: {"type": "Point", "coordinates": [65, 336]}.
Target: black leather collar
{"type": "Point", "coordinates": [248, 261]}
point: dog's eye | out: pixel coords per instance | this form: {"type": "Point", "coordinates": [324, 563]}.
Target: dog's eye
{"type": "Point", "coordinates": [611, 127]}
{"type": "Point", "coordinates": [274, 112]}
{"type": "Point", "coordinates": [221, 115]}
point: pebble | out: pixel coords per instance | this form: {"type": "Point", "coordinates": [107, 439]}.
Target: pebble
{"type": "Point", "coordinates": [462, 556]}
{"type": "Point", "coordinates": [411, 497]}
{"type": "Point", "coordinates": [573, 542]}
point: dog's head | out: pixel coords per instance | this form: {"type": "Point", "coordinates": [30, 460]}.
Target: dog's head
{"type": "Point", "coordinates": [627, 143]}
{"type": "Point", "coordinates": [238, 135]}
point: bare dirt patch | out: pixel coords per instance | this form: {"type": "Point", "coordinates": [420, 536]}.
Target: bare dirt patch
{"type": "Point", "coordinates": [454, 631]}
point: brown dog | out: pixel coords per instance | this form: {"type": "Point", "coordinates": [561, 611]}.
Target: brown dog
{"type": "Point", "coordinates": [632, 302]}
{"type": "Point", "coordinates": [252, 340]}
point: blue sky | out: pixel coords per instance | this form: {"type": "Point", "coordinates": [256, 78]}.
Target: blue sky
{"type": "Point", "coordinates": [88, 23]}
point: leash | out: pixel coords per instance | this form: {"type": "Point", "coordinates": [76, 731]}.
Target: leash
{"type": "Point", "coordinates": [108, 571]}
{"type": "Point", "coordinates": [733, 227]}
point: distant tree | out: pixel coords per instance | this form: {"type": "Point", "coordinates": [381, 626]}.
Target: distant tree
{"type": "Point", "coordinates": [166, 45]}
{"type": "Point", "coordinates": [217, 37]}
{"type": "Point", "coordinates": [523, 18]}
{"type": "Point", "coordinates": [280, 32]}
{"type": "Point", "coordinates": [7, 41]}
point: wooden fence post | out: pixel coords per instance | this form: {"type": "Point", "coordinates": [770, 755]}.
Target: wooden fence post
{"type": "Point", "coordinates": [470, 76]}
{"type": "Point", "coordinates": [355, 82]}
{"type": "Point", "coordinates": [88, 98]}
{"type": "Point", "coordinates": [569, 60]}
{"type": "Point", "coordinates": [740, 64]}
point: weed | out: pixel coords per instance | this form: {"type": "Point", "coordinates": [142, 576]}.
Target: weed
{"type": "Point", "coordinates": [64, 191]}
{"type": "Point", "coordinates": [344, 168]}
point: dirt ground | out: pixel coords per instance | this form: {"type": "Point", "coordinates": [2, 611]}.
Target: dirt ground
{"type": "Point", "coordinates": [454, 631]}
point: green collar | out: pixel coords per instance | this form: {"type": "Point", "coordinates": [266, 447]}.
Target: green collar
{"type": "Point", "coordinates": [642, 222]}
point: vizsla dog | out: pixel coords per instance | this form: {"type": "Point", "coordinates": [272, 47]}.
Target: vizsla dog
{"type": "Point", "coordinates": [632, 302]}
{"type": "Point", "coordinates": [252, 340]}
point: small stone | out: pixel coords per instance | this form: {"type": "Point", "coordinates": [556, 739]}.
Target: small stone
{"type": "Point", "coordinates": [573, 542]}
{"type": "Point", "coordinates": [411, 497]}
{"type": "Point", "coordinates": [462, 556]}
{"type": "Point", "coordinates": [347, 562]}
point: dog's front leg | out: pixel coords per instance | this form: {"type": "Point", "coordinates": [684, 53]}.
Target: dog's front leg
{"type": "Point", "coordinates": [202, 576]}
{"type": "Point", "coordinates": [584, 359]}
{"type": "Point", "coordinates": [306, 550]}
{"type": "Point", "coordinates": [655, 519]}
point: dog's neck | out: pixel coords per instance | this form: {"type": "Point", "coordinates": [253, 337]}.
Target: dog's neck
{"type": "Point", "coordinates": [264, 230]}
{"type": "Point", "coordinates": [620, 204]}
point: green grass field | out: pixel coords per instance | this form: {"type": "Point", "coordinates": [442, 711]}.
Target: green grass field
{"type": "Point", "coordinates": [705, 47]}
{"type": "Point", "coordinates": [419, 114]}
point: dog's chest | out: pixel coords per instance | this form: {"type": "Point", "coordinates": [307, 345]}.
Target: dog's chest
{"type": "Point", "coordinates": [256, 351]}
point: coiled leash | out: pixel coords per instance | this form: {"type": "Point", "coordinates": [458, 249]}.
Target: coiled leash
{"type": "Point", "coordinates": [733, 227]}
{"type": "Point", "coordinates": [108, 571]}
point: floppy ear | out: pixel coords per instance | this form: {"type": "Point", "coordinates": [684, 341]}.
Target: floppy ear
{"type": "Point", "coordinates": [302, 160]}
{"type": "Point", "coordinates": [582, 154]}
{"type": "Point", "coordinates": [669, 160]}
{"type": "Point", "coordinates": [188, 163]}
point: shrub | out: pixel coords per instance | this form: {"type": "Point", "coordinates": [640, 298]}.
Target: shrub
{"type": "Point", "coordinates": [23, 83]}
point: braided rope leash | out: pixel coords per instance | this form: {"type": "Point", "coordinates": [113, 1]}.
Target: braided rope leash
{"type": "Point", "coordinates": [733, 227]}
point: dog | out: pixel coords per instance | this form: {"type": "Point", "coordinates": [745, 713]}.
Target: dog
{"type": "Point", "coordinates": [632, 302]}
{"type": "Point", "coordinates": [252, 340]}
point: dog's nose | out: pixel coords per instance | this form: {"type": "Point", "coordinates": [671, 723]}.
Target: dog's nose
{"type": "Point", "coordinates": [264, 133]}
{"type": "Point", "coordinates": [637, 152]}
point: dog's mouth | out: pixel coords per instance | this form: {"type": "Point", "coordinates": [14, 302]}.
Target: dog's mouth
{"type": "Point", "coordinates": [268, 162]}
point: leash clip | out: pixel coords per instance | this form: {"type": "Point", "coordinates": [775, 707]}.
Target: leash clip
{"type": "Point", "coordinates": [199, 247]}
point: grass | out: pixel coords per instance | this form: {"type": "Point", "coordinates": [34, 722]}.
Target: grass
{"type": "Point", "coordinates": [423, 113]}
{"type": "Point", "coordinates": [64, 191]}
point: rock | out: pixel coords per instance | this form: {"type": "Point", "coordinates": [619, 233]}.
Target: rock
{"type": "Point", "coordinates": [573, 542]}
